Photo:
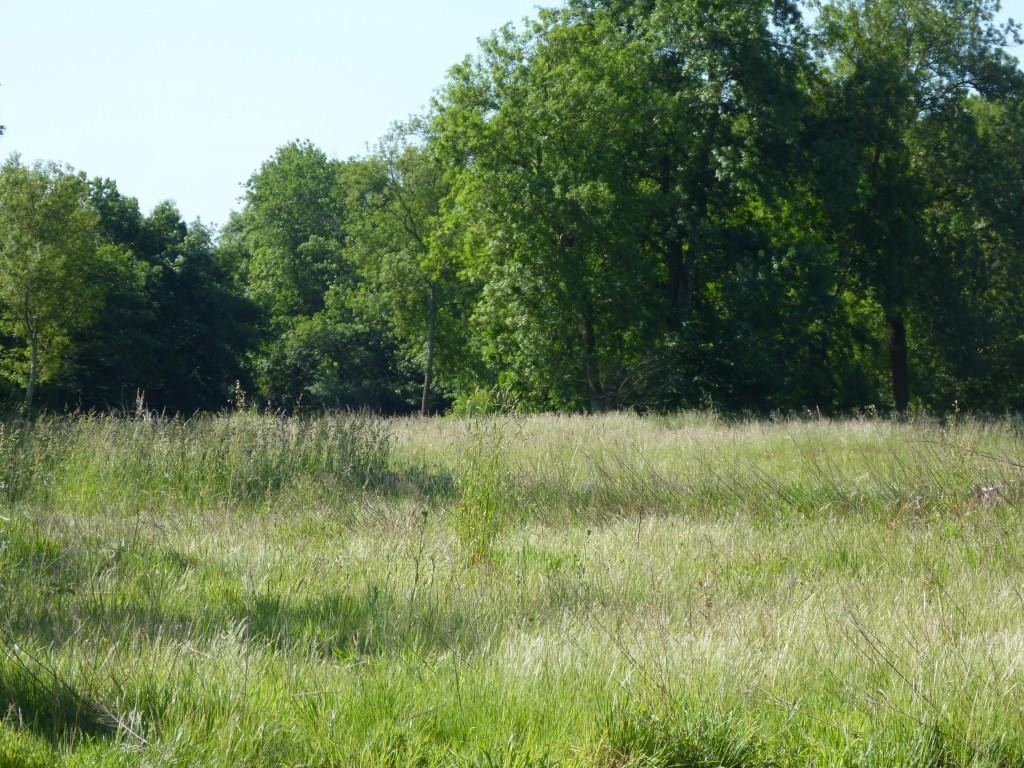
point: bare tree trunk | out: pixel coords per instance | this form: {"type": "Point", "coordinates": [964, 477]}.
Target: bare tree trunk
{"type": "Point", "coordinates": [898, 363]}
{"type": "Point", "coordinates": [679, 283]}
{"type": "Point", "coordinates": [30, 388]}
{"type": "Point", "coordinates": [428, 373]}
{"type": "Point", "coordinates": [591, 369]}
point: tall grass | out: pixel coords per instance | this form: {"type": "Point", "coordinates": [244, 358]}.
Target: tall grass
{"type": "Point", "coordinates": [95, 462]}
{"type": "Point", "coordinates": [593, 592]}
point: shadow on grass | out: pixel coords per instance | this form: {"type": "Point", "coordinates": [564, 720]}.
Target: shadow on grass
{"type": "Point", "coordinates": [372, 622]}
{"type": "Point", "coordinates": [33, 696]}
{"type": "Point", "coordinates": [421, 482]}
{"type": "Point", "coordinates": [49, 592]}
{"type": "Point", "coordinates": [695, 738]}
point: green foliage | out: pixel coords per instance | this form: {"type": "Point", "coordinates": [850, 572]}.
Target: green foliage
{"type": "Point", "coordinates": [403, 250]}
{"type": "Point", "coordinates": [294, 224]}
{"type": "Point", "coordinates": [899, 81]}
{"type": "Point", "coordinates": [172, 331]}
{"type": "Point", "coordinates": [484, 402]}
{"type": "Point", "coordinates": [50, 268]}
{"type": "Point", "coordinates": [755, 206]}
{"type": "Point", "coordinates": [557, 237]}
{"type": "Point", "coordinates": [318, 348]}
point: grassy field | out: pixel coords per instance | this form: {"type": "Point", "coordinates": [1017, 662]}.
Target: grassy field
{"type": "Point", "coordinates": [596, 592]}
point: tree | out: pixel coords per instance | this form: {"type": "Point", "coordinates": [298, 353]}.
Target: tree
{"type": "Point", "coordinates": [620, 162]}
{"type": "Point", "coordinates": [173, 328]}
{"type": "Point", "coordinates": [969, 336]}
{"type": "Point", "coordinates": [201, 328]}
{"type": "Point", "coordinates": [552, 202]}
{"type": "Point", "coordinates": [893, 68]}
{"type": "Point", "coordinates": [294, 227]}
{"type": "Point", "coordinates": [722, 82]}
{"type": "Point", "coordinates": [407, 265]}
{"type": "Point", "coordinates": [292, 234]}
{"type": "Point", "coordinates": [50, 249]}
{"type": "Point", "coordinates": [288, 245]}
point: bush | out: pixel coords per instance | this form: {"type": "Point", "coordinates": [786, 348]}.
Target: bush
{"type": "Point", "coordinates": [482, 401]}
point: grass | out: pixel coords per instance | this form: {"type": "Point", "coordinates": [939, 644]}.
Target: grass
{"type": "Point", "coordinates": [596, 592]}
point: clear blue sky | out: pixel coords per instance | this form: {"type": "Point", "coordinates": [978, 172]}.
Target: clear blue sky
{"type": "Point", "coordinates": [185, 100]}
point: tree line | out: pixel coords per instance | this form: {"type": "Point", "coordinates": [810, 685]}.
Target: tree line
{"type": "Point", "coordinates": [649, 204]}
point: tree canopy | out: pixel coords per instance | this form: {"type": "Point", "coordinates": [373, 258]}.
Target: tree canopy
{"type": "Point", "coordinates": [656, 205]}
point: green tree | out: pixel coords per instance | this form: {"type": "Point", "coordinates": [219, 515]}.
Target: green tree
{"type": "Point", "coordinates": [894, 68]}
{"type": "Point", "coordinates": [289, 247]}
{"type": "Point", "coordinates": [173, 329]}
{"type": "Point", "coordinates": [294, 224]}
{"type": "Point", "coordinates": [409, 269]}
{"type": "Point", "coordinates": [200, 326]}
{"type": "Point", "coordinates": [743, 276]}
{"type": "Point", "coordinates": [969, 335]}
{"type": "Point", "coordinates": [291, 233]}
{"type": "Point", "coordinates": [552, 201]}
{"type": "Point", "coordinates": [50, 251]}
{"type": "Point", "coordinates": [620, 164]}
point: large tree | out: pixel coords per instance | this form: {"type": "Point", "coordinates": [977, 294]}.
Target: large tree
{"type": "Point", "coordinates": [173, 329]}
{"type": "Point", "coordinates": [620, 163]}
{"type": "Point", "coordinates": [970, 337]}
{"type": "Point", "coordinates": [50, 253]}
{"type": "Point", "coordinates": [410, 270]}
{"type": "Point", "coordinates": [288, 248]}
{"type": "Point", "coordinates": [544, 127]}
{"type": "Point", "coordinates": [893, 70]}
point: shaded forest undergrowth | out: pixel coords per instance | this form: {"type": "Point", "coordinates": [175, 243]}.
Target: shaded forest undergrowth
{"type": "Point", "coordinates": [547, 591]}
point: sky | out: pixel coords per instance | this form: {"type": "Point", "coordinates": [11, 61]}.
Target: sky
{"type": "Point", "coordinates": [185, 100]}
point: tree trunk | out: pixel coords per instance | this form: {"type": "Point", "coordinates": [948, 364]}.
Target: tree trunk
{"type": "Point", "coordinates": [898, 363]}
{"type": "Point", "coordinates": [679, 284]}
{"type": "Point", "coordinates": [30, 388]}
{"type": "Point", "coordinates": [591, 369]}
{"type": "Point", "coordinates": [428, 373]}
{"type": "Point", "coordinates": [680, 291]}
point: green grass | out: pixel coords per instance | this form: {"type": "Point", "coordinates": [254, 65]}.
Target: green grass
{"type": "Point", "coordinates": [549, 591]}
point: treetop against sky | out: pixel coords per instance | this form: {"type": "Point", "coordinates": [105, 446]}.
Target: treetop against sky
{"type": "Point", "coordinates": [184, 101]}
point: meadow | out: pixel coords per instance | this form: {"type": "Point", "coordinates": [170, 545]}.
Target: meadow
{"type": "Point", "coordinates": [586, 592]}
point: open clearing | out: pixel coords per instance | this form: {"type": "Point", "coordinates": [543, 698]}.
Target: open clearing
{"type": "Point", "coordinates": [607, 591]}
